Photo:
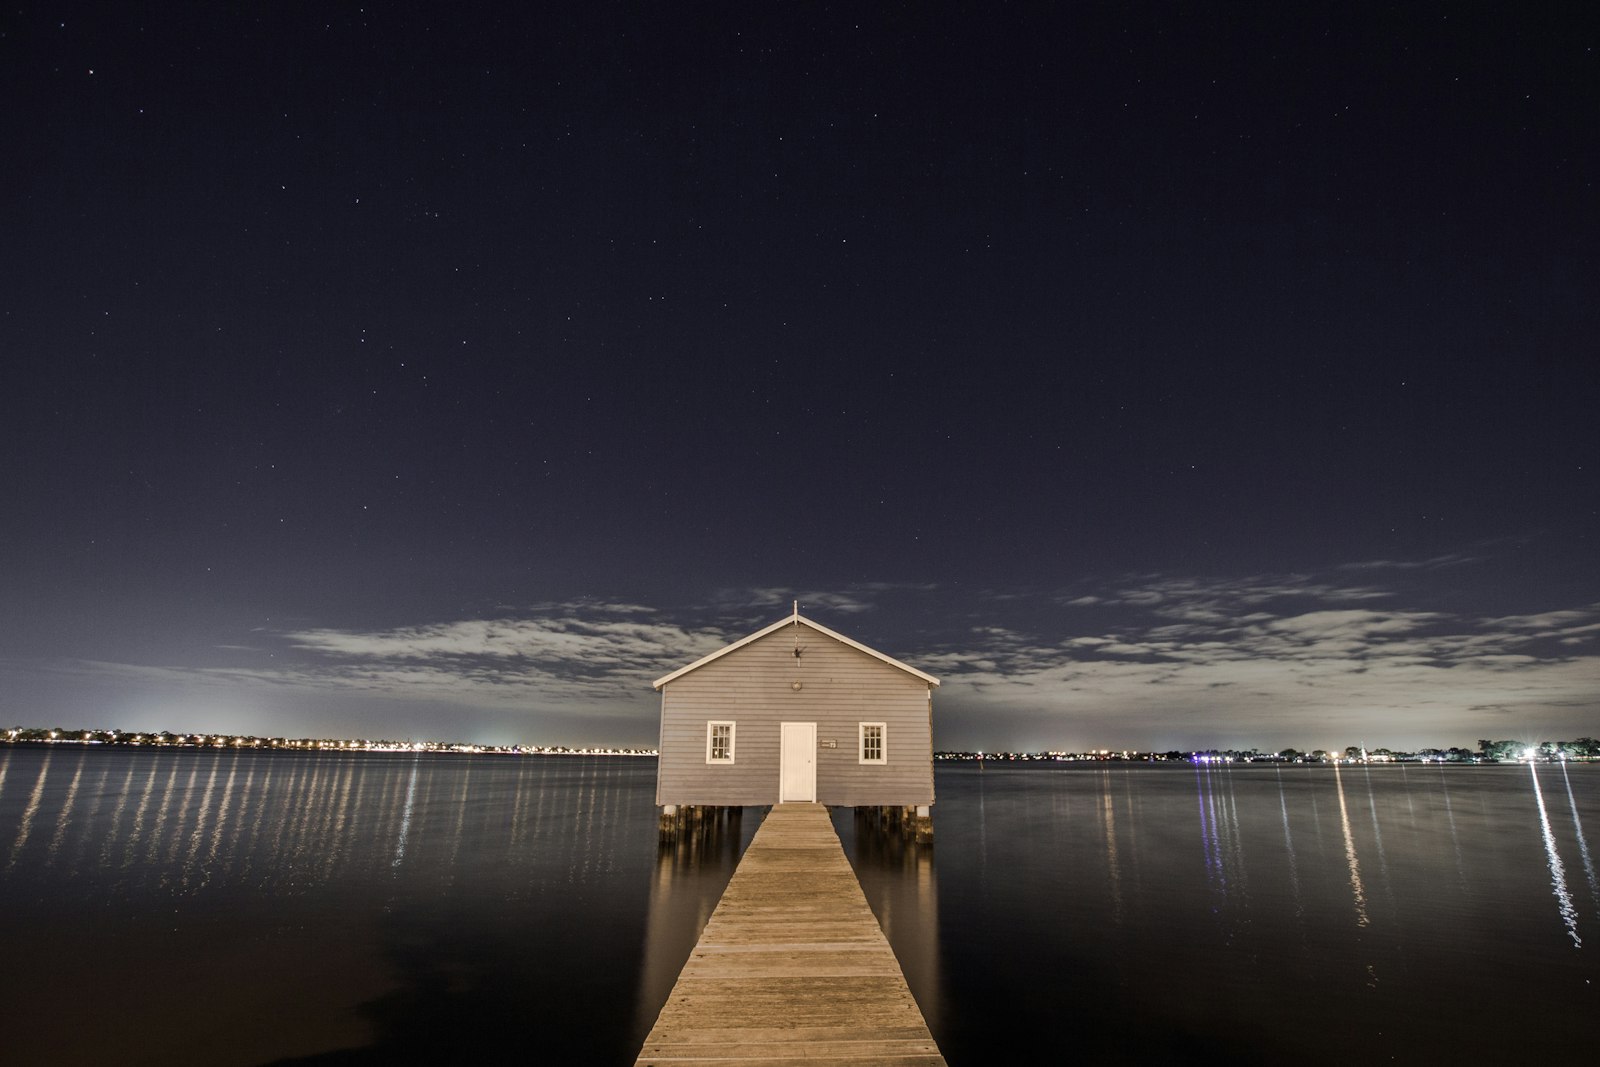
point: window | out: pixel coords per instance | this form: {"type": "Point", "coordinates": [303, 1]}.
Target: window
{"type": "Point", "coordinates": [874, 745]}
{"type": "Point", "coordinates": [719, 742]}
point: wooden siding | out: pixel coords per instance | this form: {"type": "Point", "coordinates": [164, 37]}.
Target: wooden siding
{"type": "Point", "coordinates": [752, 686]}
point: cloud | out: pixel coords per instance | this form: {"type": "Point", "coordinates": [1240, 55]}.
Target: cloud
{"type": "Point", "coordinates": [569, 659]}
{"type": "Point", "coordinates": [1187, 660]}
{"type": "Point", "coordinates": [1554, 623]}
{"type": "Point", "coordinates": [1144, 660]}
{"type": "Point", "coordinates": [851, 600]}
{"type": "Point", "coordinates": [1452, 559]}
{"type": "Point", "coordinates": [584, 652]}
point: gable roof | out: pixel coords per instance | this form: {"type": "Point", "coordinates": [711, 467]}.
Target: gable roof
{"type": "Point", "coordinates": [793, 620]}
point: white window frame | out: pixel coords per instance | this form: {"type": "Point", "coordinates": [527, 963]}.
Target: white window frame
{"type": "Point", "coordinates": [711, 733]}
{"type": "Point", "coordinates": [883, 743]}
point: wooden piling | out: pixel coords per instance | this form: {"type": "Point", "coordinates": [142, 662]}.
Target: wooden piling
{"type": "Point", "coordinates": [680, 821]}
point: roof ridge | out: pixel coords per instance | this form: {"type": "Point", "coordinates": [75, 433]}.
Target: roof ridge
{"type": "Point", "coordinates": [794, 619]}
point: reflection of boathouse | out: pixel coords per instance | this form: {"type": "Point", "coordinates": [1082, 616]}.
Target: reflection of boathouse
{"type": "Point", "coordinates": [796, 712]}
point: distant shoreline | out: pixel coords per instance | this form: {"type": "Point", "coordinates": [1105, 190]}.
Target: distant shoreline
{"type": "Point", "coordinates": [302, 746]}
{"type": "Point", "coordinates": [212, 743]}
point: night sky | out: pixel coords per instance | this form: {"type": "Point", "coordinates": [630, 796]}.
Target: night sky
{"type": "Point", "coordinates": [1157, 376]}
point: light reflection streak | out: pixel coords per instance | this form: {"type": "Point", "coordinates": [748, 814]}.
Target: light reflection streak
{"type": "Point", "coordinates": [1356, 888]}
{"type": "Point", "coordinates": [286, 810]}
{"type": "Point", "coordinates": [240, 817]}
{"type": "Point", "coordinates": [116, 816]}
{"type": "Point", "coordinates": [1377, 831]}
{"type": "Point", "coordinates": [1219, 825]}
{"type": "Point", "coordinates": [1288, 843]}
{"type": "Point", "coordinates": [1558, 872]}
{"type": "Point", "coordinates": [322, 827]}
{"type": "Point", "coordinates": [461, 819]}
{"type": "Point", "coordinates": [394, 804]}
{"type": "Point", "coordinates": [1130, 827]}
{"type": "Point", "coordinates": [137, 833]}
{"type": "Point", "coordinates": [1235, 835]}
{"type": "Point", "coordinates": [97, 796]}
{"type": "Point", "coordinates": [222, 816]}
{"type": "Point", "coordinates": [1208, 829]}
{"type": "Point", "coordinates": [1108, 822]}
{"type": "Point", "coordinates": [405, 816]}
{"type": "Point", "coordinates": [580, 871]}
{"type": "Point", "coordinates": [65, 818]}
{"type": "Point", "coordinates": [519, 806]}
{"type": "Point", "coordinates": [542, 799]}
{"type": "Point", "coordinates": [5, 768]}
{"type": "Point", "coordinates": [1583, 842]}
{"type": "Point", "coordinates": [280, 821]}
{"type": "Point", "coordinates": [182, 815]}
{"type": "Point", "coordinates": [1450, 816]}
{"type": "Point", "coordinates": [337, 781]}
{"type": "Point", "coordinates": [339, 830]}
{"type": "Point", "coordinates": [300, 822]}
{"type": "Point", "coordinates": [600, 807]}
{"type": "Point", "coordinates": [197, 836]}
{"type": "Point", "coordinates": [983, 833]}
{"type": "Point", "coordinates": [1383, 856]}
{"type": "Point", "coordinates": [25, 828]}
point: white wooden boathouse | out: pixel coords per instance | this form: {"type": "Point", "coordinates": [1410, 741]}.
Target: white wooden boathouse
{"type": "Point", "coordinates": [796, 712]}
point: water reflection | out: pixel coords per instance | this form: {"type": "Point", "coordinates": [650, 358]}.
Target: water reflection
{"type": "Point", "coordinates": [169, 795]}
{"type": "Point", "coordinates": [690, 874]}
{"type": "Point", "coordinates": [900, 880]}
{"type": "Point", "coordinates": [197, 836]}
{"type": "Point", "coordinates": [246, 849]}
{"type": "Point", "coordinates": [460, 808]}
{"type": "Point", "coordinates": [66, 811]}
{"type": "Point", "coordinates": [339, 827]}
{"type": "Point", "coordinates": [1558, 871]}
{"type": "Point", "coordinates": [97, 794]}
{"type": "Point", "coordinates": [1108, 824]}
{"type": "Point", "coordinates": [1377, 828]}
{"type": "Point", "coordinates": [1055, 902]}
{"type": "Point", "coordinates": [137, 833]}
{"type": "Point", "coordinates": [31, 811]}
{"type": "Point", "coordinates": [215, 843]}
{"type": "Point", "coordinates": [1288, 845]}
{"type": "Point", "coordinates": [1219, 831]}
{"type": "Point", "coordinates": [116, 817]}
{"type": "Point", "coordinates": [1450, 818]}
{"type": "Point", "coordinates": [1583, 842]}
{"type": "Point", "coordinates": [1356, 888]}
{"type": "Point", "coordinates": [184, 821]}
{"type": "Point", "coordinates": [405, 815]}
{"type": "Point", "coordinates": [369, 907]}
{"type": "Point", "coordinates": [1209, 837]}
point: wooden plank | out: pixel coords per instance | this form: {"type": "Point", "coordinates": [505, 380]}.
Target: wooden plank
{"type": "Point", "coordinates": [792, 967]}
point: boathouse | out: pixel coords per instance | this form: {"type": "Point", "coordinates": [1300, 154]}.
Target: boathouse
{"type": "Point", "coordinates": [796, 712]}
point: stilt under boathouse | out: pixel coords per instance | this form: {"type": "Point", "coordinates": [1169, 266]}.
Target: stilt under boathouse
{"type": "Point", "coordinates": [796, 712]}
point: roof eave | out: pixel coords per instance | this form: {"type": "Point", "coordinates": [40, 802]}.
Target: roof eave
{"type": "Point", "coordinates": [792, 620]}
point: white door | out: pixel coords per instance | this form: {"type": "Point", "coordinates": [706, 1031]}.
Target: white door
{"type": "Point", "coordinates": [797, 780]}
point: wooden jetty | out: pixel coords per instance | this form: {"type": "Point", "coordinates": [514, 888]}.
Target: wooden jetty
{"type": "Point", "coordinates": [792, 966]}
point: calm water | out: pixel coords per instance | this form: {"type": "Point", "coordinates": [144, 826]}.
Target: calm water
{"type": "Point", "coordinates": [244, 908]}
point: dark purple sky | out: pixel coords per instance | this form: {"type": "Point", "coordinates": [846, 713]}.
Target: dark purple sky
{"type": "Point", "coordinates": [1162, 377]}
